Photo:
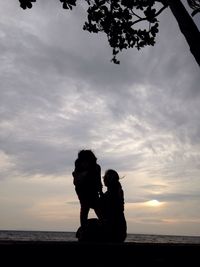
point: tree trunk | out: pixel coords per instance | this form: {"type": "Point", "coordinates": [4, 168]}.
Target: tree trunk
{"type": "Point", "coordinates": [187, 27]}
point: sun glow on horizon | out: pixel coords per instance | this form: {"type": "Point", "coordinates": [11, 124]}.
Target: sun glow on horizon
{"type": "Point", "coordinates": [153, 203]}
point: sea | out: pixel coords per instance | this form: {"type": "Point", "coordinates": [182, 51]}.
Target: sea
{"type": "Point", "coordinates": [7, 235]}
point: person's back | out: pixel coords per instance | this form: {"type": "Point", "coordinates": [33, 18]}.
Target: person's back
{"type": "Point", "coordinates": [87, 181]}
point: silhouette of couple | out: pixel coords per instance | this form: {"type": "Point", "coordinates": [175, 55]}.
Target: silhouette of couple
{"type": "Point", "coordinates": [109, 206]}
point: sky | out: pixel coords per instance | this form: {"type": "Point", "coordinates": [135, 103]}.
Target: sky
{"type": "Point", "coordinates": [59, 93]}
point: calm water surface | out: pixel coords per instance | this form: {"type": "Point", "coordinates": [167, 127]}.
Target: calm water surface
{"type": "Point", "coordinates": [70, 236]}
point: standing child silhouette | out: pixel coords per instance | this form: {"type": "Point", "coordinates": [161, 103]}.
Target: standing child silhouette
{"type": "Point", "coordinates": [87, 181]}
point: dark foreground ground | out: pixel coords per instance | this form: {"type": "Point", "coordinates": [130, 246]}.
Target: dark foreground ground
{"type": "Point", "coordinates": [40, 253]}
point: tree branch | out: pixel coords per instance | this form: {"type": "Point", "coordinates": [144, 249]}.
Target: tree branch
{"type": "Point", "coordinates": [136, 14]}
{"type": "Point", "coordinates": [138, 20]}
{"type": "Point", "coordinates": [161, 10]}
{"type": "Point", "coordinates": [142, 19]}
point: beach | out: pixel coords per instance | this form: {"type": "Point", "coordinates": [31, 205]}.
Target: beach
{"type": "Point", "coordinates": [61, 253]}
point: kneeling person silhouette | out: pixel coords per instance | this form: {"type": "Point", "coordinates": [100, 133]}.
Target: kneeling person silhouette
{"type": "Point", "coordinates": [111, 227]}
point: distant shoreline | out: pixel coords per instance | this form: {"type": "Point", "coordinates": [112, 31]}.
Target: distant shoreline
{"type": "Point", "coordinates": [56, 231]}
{"type": "Point", "coordinates": [76, 243]}
{"type": "Point", "coordinates": [58, 236]}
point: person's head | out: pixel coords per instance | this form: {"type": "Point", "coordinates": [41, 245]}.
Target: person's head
{"type": "Point", "coordinates": [87, 157]}
{"type": "Point", "coordinates": [111, 178]}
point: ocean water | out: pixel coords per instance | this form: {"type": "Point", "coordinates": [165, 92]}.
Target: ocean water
{"type": "Point", "coordinates": [70, 237]}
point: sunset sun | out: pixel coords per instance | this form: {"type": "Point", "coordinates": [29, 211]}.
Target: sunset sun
{"type": "Point", "coordinates": [153, 203]}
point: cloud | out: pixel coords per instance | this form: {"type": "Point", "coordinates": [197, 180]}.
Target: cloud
{"type": "Point", "coordinates": [59, 93]}
{"type": "Point", "coordinates": [73, 202]}
{"type": "Point", "coordinates": [175, 197]}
